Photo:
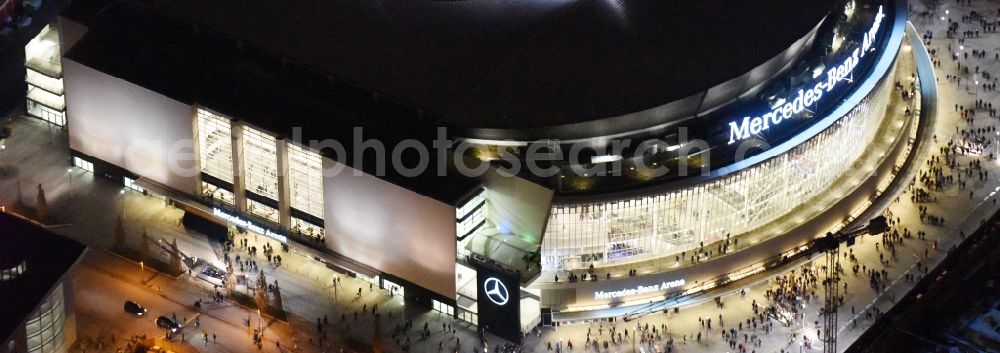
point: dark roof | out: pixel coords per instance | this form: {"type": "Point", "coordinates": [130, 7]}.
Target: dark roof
{"type": "Point", "coordinates": [195, 66]}
{"type": "Point", "coordinates": [401, 68]}
{"type": "Point", "coordinates": [82, 10]}
{"type": "Point", "coordinates": [48, 257]}
{"type": "Point", "coordinates": [517, 64]}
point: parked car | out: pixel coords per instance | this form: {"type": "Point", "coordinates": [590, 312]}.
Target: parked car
{"type": "Point", "coordinates": [134, 308]}
{"type": "Point", "coordinates": [167, 324]}
{"type": "Point", "coordinates": [213, 272]}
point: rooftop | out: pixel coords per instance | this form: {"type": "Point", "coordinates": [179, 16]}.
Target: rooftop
{"type": "Point", "coordinates": [47, 258]}
{"type": "Point", "coordinates": [195, 66]}
{"type": "Point", "coordinates": [516, 63]}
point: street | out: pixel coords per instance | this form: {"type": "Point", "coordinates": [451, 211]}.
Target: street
{"type": "Point", "coordinates": [103, 282]}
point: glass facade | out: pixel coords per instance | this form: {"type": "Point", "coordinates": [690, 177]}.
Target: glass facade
{"type": "Point", "coordinates": [13, 272]}
{"type": "Point", "coordinates": [666, 224]}
{"type": "Point", "coordinates": [469, 317]}
{"type": "Point", "coordinates": [306, 228]}
{"type": "Point", "coordinates": [393, 288]}
{"type": "Point", "coordinates": [83, 164]}
{"type": "Point", "coordinates": [44, 329]}
{"type": "Point", "coordinates": [45, 97]}
{"type": "Point", "coordinates": [260, 158]}
{"type": "Point", "coordinates": [469, 216]}
{"type": "Point", "coordinates": [260, 168]}
{"type": "Point", "coordinates": [44, 112]}
{"type": "Point", "coordinates": [131, 184]}
{"type": "Point", "coordinates": [263, 211]}
{"type": "Point", "coordinates": [443, 308]}
{"type": "Point", "coordinates": [217, 193]}
{"type": "Point", "coordinates": [305, 180]}
{"type": "Point", "coordinates": [215, 145]}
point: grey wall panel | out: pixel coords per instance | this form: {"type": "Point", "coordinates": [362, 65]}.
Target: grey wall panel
{"type": "Point", "coordinates": [130, 126]}
{"type": "Point", "coordinates": [390, 228]}
{"type": "Point", "coordinates": [518, 205]}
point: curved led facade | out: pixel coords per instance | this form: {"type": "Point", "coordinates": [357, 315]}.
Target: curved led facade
{"type": "Point", "coordinates": [669, 223]}
{"type": "Point", "coordinates": [750, 193]}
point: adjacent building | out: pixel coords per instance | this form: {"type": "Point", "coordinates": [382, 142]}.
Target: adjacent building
{"type": "Point", "coordinates": [38, 311]}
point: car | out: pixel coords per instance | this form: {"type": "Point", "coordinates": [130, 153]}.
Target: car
{"type": "Point", "coordinates": [134, 308]}
{"type": "Point", "coordinates": [213, 272]}
{"type": "Point", "coordinates": [167, 324]}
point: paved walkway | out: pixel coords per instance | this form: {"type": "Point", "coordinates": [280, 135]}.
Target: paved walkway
{"type": "Point", "coordinates": [86, 209]}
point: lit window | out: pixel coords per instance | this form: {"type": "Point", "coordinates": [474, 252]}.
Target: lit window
{"type": "Point", "coordinates": [260, 159]}
{"type": "Point", "coordinates": [443, 308]}
{"type": "Point", "coordinates": [263, 211]}
{"type": "Point", "coordinates": [305, 170]}
{"type": "Point", "coordinates": [215, 145]}
{"type": "Point", "coordinates": [83, 164]}
{"type": "Point", "coordinates": [216, 193]}
{"type": "Point", "coordinates": [130, 183]}
{"type": "Point", "coordinates": [44, 328]}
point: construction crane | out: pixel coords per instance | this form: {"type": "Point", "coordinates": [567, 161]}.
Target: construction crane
{"type": "Point", "coordinates": [830, 244]}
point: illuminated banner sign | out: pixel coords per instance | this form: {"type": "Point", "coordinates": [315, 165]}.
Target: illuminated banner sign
{"type": "Point", "coordinates": [639, 290]}
{"type": "Point", "coordinates": [240, 222]}
{"type": "Point", "coordinates": [806, 97]}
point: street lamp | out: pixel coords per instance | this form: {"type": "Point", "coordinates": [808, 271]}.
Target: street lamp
{"type": "Point", "coordinates": [122, 194]}
{"type": "Point", "coordinates": [70, 173]}
{"type": "Point", "coordinates": [635, 332]}
{"type": "Point", "coordinates": [3, 170]}
{"type": "Point", "coordinates": [260, 324]}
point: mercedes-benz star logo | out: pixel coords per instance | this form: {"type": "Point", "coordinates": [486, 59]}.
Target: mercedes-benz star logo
{"type": "Point", "coordinates": [496, 291]}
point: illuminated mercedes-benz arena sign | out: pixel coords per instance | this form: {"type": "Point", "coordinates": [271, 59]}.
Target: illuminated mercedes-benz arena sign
{"type": "Point", "coordinates": [496, 291]}
{"type": "Point", "coordinates": [805, 98]}
{"type": "Point", "coordinates": [640, 289]}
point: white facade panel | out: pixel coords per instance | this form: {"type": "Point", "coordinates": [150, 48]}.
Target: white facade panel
{"type": "Point", "coordinates": [390, 228]}
{"type": "Point", "coordinates": [130, 126]}
{"type": "Point", "coordinates": [517, 206]}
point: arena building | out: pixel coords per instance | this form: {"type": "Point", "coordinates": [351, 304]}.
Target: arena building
{"type": "Point", "coordinates": [638, 150]}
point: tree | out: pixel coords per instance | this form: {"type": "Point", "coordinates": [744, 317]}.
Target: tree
{"type": "Point", "coordinates": [260, 292]}
{"type": "Point", "coordinates": [7, 130]}
{"type": "Point", "coordinates": [41, 207]}
{"type": "Point", "coordinates": [229, 281]}
{"type": "Point", "coordinates": [175, 257]}
{"type": "Point", "coordinates": [279, 306]}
